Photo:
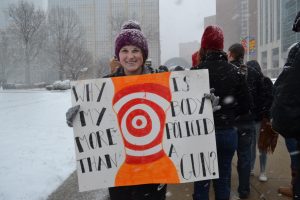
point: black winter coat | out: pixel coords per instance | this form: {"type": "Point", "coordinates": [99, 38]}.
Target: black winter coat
{"type": "Point", "coordinates": [229, 85]}
{"type": "Point", "coordinates": [255, 86]}
{"type": "Point", "coordinates": [137, 192]}
{"type": "Point", "coordinates": [266, 96]}
{"type": "Point", "coordinates": [285, 110]}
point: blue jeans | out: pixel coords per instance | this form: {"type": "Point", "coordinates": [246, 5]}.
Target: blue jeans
{"type": "Point", "coordinates": [226, 141]}
{"type": "Point", "coordinates": [293, 147]}
{"type": "Point", "coordinates": [262, 155]}
{"type": "Point", "coordinates": [245, 135]}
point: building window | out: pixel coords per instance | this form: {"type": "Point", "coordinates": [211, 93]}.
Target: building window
{"type": "Point", "coordinates": [275, 58]}
{"type": "Point", "coordinates": [275, 63]}
{"type": "Point", "coordinates": [278, 19]}
{"type": "Point", "coordinates": [261, 22]}
{"type": "Point", "coordinates": [264, 60]}
{"type": "Point", "coordinates": [267, 21]}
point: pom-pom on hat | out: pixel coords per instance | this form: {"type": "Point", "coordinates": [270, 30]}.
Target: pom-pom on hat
{"type": "Point", "coordinates": [131, 24]}
{"type": "Point", "coordinates": [212, 38]}
{"type": "Point", "coordinates": [131, 34]}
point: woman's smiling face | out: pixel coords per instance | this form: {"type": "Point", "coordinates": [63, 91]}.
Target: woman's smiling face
{"type": "Point", "coordinates": [131, 59]}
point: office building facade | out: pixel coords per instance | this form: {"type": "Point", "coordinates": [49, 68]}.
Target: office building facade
{"type": "Point", "coordinates": [102, 21]}
{"type": "Point", "coordinates": [269, 36]}
{"type": "Point", "coordinates": [275, 33]}
{"type": "Point", "coordinates": [238, 19]}
{"type": "Point", "coordinates": [186, 51]}
{"type": "Point", "coordinates": [210, 20]}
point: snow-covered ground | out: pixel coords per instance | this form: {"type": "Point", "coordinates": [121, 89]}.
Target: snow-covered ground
{"type": "Point", "coordinates": [36, 146]}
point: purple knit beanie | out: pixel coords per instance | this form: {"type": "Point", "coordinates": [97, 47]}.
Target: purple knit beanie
{"type": "Point", "coordinates": [131, 34]}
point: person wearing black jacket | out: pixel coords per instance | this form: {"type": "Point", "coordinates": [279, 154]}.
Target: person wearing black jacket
{"type": "Point", "coordinates": [131, 50]}
{"type": "Point", "coordinates": [232, 89]}
{"type": "Point", "coordinates": [245, 124]}
{"type": "Point", "coordinates": [266, 99]}
{"type": "Point", "coordinates": [285, 109]}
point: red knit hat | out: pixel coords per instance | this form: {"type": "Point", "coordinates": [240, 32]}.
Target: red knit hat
{"type": "Point", "coordinates": [213, 38]}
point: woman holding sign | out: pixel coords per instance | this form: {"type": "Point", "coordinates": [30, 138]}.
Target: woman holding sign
{"type": "Point", "coordinates": [145, 158]}
{"type": "Point", "coordinates": [135, 116]}
{"type": "Point", "coordinates": [140, 108]}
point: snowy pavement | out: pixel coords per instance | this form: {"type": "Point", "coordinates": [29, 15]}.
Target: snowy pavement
{"type": "Point", "coordinates": [37, 150]}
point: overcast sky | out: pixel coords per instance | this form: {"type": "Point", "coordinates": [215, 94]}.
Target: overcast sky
{"type": "Point", "coordinates": [182, 21]}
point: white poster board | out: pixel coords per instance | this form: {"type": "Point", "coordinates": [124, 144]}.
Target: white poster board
{"type": "Point", "coordinates": [154, 128]}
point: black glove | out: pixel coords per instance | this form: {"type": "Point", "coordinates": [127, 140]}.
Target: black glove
{"type": "Point", "coordinates": [70, 115]}
{"type": "Point", "coordinates": [214, 99]}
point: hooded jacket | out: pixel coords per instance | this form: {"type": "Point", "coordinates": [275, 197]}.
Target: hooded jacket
{"type": "Point", "coordinates": [266, 95]}
{"type": "Point", "coordinates": [285, 109]}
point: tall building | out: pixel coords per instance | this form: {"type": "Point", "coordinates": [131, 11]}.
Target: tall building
{"type": "Point", "coordinates": [238, 19]}
{"type": "Point", "coordinates": [102, 20]}
{"type": "Point", "coordinates": [210, 20]}
{"type": "Point", "coordinates": [275, 33]}
{"type": "Point", "coordinates": [269, 37]}
{"type": "Point", "coordinates": [289, 10]}
{"type": "Point", "coordinates": [227, 17]}
{"type": "Point", "coordinates": [187, 49]}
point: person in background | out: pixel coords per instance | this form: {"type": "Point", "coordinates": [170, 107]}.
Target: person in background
{"type": "Point", "coordinates": [266, 103]}
{"type": "Point", "coordinates": [286, 105]}
{"type": "Point", "coordinates": [291, 143]}
{"type": "Point", "coordinates": [162, 68]}
{"type": "Point", "coordinates": [245, 123]}
{"type": "Point", "coordinates": [232, 89]}
{"type": "Point", "coordinates": [195, 59]}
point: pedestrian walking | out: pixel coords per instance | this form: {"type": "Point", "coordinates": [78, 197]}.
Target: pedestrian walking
{"type": "Point", "coordinates": [263, 115]}
{"type": "Point", "coordinates": [286, 105]}
{"type": "Point", "coordinates": [245, 124]}
{"type": "Point", "coordinates": [232, 89]}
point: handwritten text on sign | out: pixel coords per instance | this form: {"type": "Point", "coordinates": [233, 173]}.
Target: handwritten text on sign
{"type": "Point", "coordinates": [154, 128]}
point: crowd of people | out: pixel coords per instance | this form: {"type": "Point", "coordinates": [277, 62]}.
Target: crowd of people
{"type": "Point", "coordinates": [247, 102]}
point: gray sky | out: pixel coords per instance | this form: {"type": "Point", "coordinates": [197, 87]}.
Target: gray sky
{"type": "Point", "coordinates": [182, 21]}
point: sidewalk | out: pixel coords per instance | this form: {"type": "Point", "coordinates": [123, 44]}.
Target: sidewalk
{"type": "Point", "coordinates": [278, 172]}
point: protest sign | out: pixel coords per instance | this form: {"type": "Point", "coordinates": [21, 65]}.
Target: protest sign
{"type": "Point", "coordinates": [153, 128]}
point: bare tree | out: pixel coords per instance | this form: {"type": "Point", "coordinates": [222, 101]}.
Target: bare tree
{"type": "Point", "coordinates": [80, 60]}
{"type": "Point", "coordinates": [27, 22]}
{"type": "Point", "coordinates": [103, 67]}
{"type": "Point", "coordinates": [4, 56]}
{"type": "Point", "coordinates": [116, 23]}
{"type": "Point", "coordinates": [65, 35]}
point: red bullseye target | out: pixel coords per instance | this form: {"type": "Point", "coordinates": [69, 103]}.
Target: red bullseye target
{"type": "Point", "coordinates": [139, 123]}
{"type": "Point", "coordinates": [141, 117]}
{"type": "Point", "coordinates": [140, 136]}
